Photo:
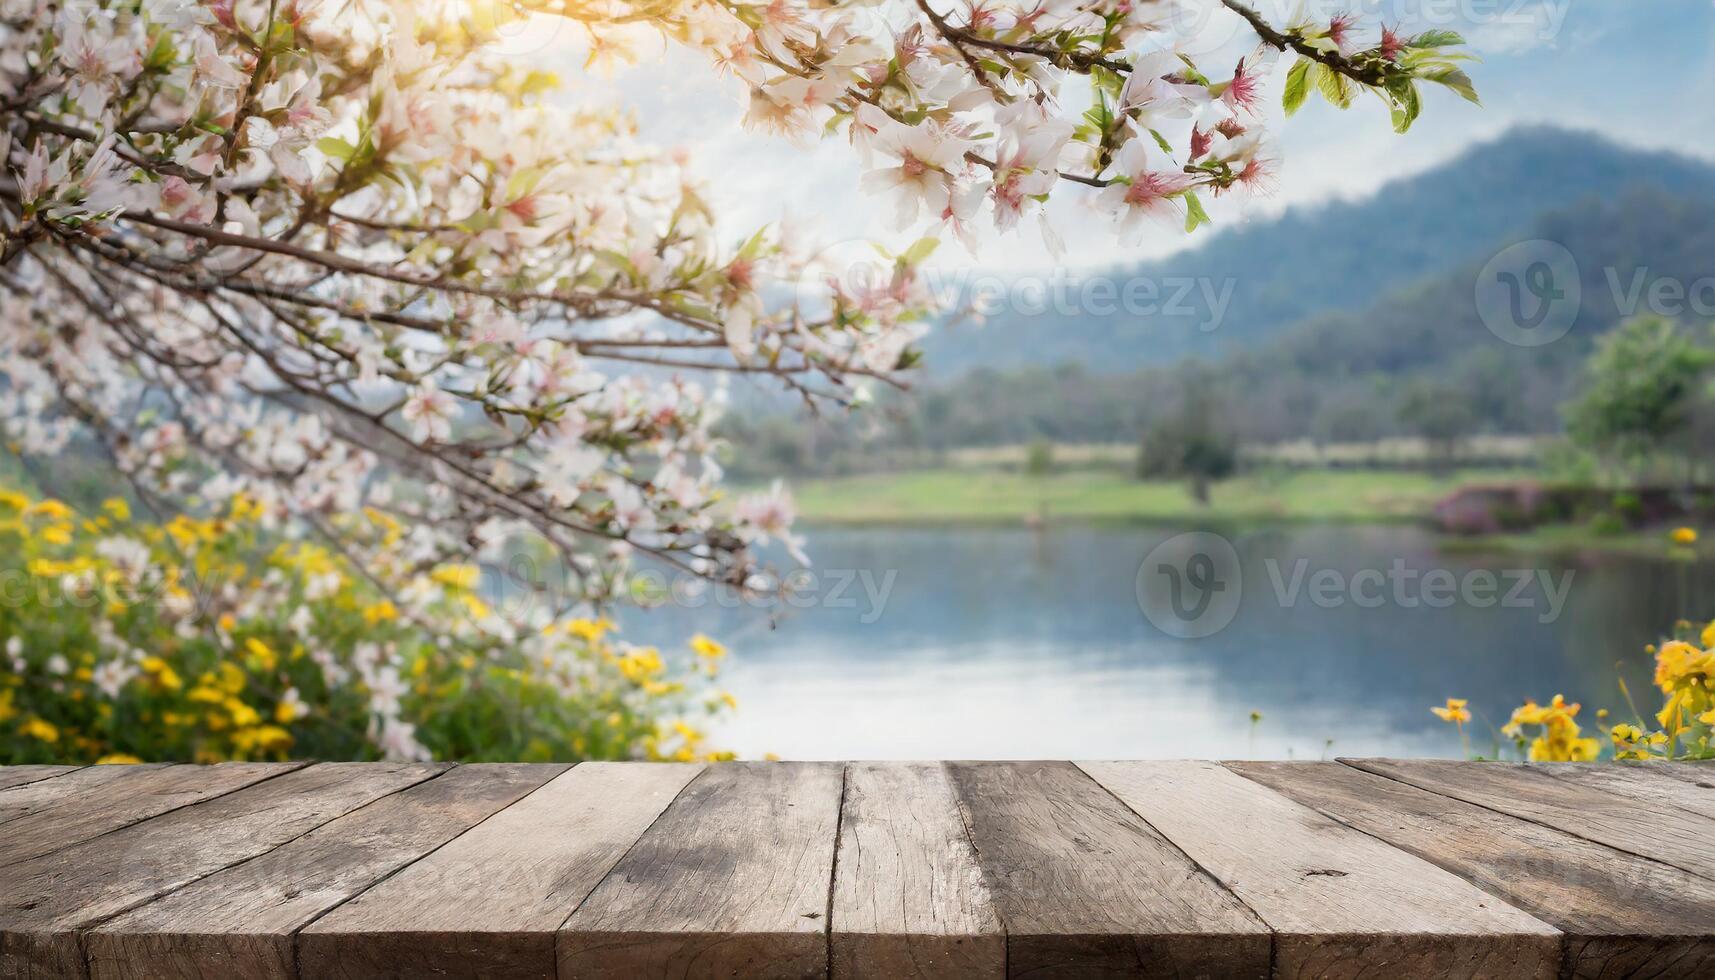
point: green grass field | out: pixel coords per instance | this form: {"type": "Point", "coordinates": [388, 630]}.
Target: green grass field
{"type": "Point", "coordinates": [984, 496]}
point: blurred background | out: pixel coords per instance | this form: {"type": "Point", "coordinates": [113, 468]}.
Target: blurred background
{"type": "Point", "coordinates": [1480, 351]}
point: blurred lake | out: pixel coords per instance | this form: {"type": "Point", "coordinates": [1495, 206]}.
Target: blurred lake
{"type": "Point", "coordinates": [1011, 643]}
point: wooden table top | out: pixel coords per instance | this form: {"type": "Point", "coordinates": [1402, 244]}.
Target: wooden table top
{"type": "Point", "coordinates": [1364, 867]}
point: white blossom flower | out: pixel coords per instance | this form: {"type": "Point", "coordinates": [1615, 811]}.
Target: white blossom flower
{"type": "Point", "coordinates": [431, 412]}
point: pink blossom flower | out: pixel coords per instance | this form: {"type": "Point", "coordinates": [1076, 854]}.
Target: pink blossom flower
{"type": "Point", "coordinates": [1140, 197]}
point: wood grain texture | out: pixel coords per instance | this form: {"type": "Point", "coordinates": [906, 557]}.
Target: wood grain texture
{"type": "Point", "coordinates": [46, 900]}
{"type": "Point", "coordinates": [1341, 903]}
{"type": "Point", "coordinates": [909, 897]}
{"type": "Point", "coordinates": [1087, 888]}
{"type": "Point", "coordinates": [732, 881]}
{"type": "Point", "coordinates": [1662, 833]}
{"type": "Point", "coordinates": [242, 921]}
{"type": "Point", "coordinates": [11, 776]}
{"type": "Point", "coordinates": [35, 795]}
{"type": "Point", "coordinates": [1622, 915]}
{"type": "Point", "coordinates": [103, 799]}
{"type": "Point", "coordinates": [489, 902]}
{"type": "Point", "coordinates": [1650, 783]}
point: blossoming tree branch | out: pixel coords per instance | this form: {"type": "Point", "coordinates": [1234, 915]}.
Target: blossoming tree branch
{"type": "Point", "coordinates": [348, 258]}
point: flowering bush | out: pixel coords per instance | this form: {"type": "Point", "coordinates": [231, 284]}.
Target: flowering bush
{"type": "Point", "coordinates": [213, 638]}
{"type": "Point", "coordinates": [1684, 671]}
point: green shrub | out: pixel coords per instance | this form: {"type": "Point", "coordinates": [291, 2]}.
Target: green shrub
{"type": "Point", "coordinates": [214, 638]}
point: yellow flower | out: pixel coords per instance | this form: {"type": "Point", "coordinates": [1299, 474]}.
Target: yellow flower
{"type": "Point", "coordinates": [7, 711]}
{"type": "Point", "coordinates": [1678, 662]}
{"type": "Point", "coordinates": [263, 653]}
{"type": "Point", "coordinates": [707, 648]}
{"type": "Point", "coordinates": [457, 576]}
{"type": "Point", "coordinates": [163, 673]}
{"type": "Point", "coordinates": [206, 694]}
{"type": "Point", "coordinates": [380, 612]}
{"type": "Point", "coordinates": [12, 500]}
{"type": "Point", "coordinates": [1455, 711]}
{"type": "Point", "coordinates": [231, 677]}
{"type": "Point", "coordinates": [589, 630]}
{"type": "Point", "coordinates": [57, 534]}
{"type": "Point", "coordinates": [242, 714]}
{"type": "Point", "coordinates": [118, 759]}
{"type": "Point", "coordinates": [117, 507]}
{"type": "Point", "coordinates": [1708, 636]}
{"type": "Point", "coordinates": [53, 509]}
{"type": "Point", "coordinates": [246, 508]}
{"type": "Point", "coordinates": [1684, 535]}
{"type": "Point", "coordinates": [38, 729]}
{"type": "Point", "coordinates": [261, 738]}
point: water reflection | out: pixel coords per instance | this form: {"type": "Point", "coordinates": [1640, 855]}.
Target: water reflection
{"type": "Point", "coordinates": [1002, 643]}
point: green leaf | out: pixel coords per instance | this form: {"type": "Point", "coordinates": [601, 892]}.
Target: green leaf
{"type": "Point", "coordinates": [522, 182]}
{"type": "Point", "coordinates": [1457, 80]}
{"type": "Point", "coordinates": [1161, 141]}
{"type": "Point", "coordinates": [1297, 86]}
{"type": "Point", "coordinates": [1406, 106]}
{"type": "Point", "coordinates": [1335, 87]}
{"type": "Point", "coordinates": [1436, 39]}
{"type": "Point", "coordinates": [920, 249]}
{"type": "Point", "coordinates": [336, 148]}
{"type": "Point", "coordinates": [1194, 213]}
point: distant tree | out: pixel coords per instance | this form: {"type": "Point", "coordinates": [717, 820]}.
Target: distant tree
{"type": "Point", "coordinates": [1642, 387]}
{"type": "Point", "coordinates": [1039, 458]}
{"type": "Point", "coordinates": [1190, 444]}
{"type": "Point", "coordinates": [1441, 416]}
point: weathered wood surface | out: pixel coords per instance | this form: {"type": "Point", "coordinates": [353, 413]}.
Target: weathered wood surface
{"type": "Point", "coordinates": [545, 853]}
{"type": "Point", "coordinates": [1341, 903]}
{"type": "Point", "coordinates": [1373, 868]}
{"type": "Point", "coordinates": [1622, 915]}
{"type": "Point", "coordinates": [19, 775]}
{"type": "Point", "coordinates": [1085, 885]}
{"type": "Point", "coordinates": [46, 903]}
{"type": "Point", "coordinates": [242, 921]}
{"type": "Point", "coordinates": [733, 880]}
{"type": "Point", "coordinates": [101, 799]}
{"type": "Point", "coordinates": [909, 897]}
{"type": "Point", "coordinates": [1662, 832]}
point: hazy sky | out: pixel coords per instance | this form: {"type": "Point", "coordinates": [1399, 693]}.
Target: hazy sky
{"type": "Point", "coordinates": [1641, 71]}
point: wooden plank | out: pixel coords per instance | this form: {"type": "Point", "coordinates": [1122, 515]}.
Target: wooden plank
{"type": "Point", "coordinates": [241, 921]}
{"type": "Point", "coordinates": [909, 898]}
{"type": "Point", "coordinates": [44, 900]}
{"type": "Point", "coordinates": [11, 776]}
{"type": "Point", "coordinates": [1341, 903]}
{"type": "Point", "coordinates": [1085, 887]}
{"type": "Point", "coordinates": [38, 795]}
{"type": "Point", "coordinates": [489, 902]}
{"type": "Point", "coordinates": [1622, 915]}
{"type": "Point", "coordinates": [111, 797]}
{"type": "Point", "coordinates": [1663, 833]}
{"type": "Point", "coordinates": [1649, 783]}
{"type": "Point", "coordinates": [733, 880]}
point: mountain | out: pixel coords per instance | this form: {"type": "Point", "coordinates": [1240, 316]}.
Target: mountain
{"type": "Point", "coordinates": [1340, 257]}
